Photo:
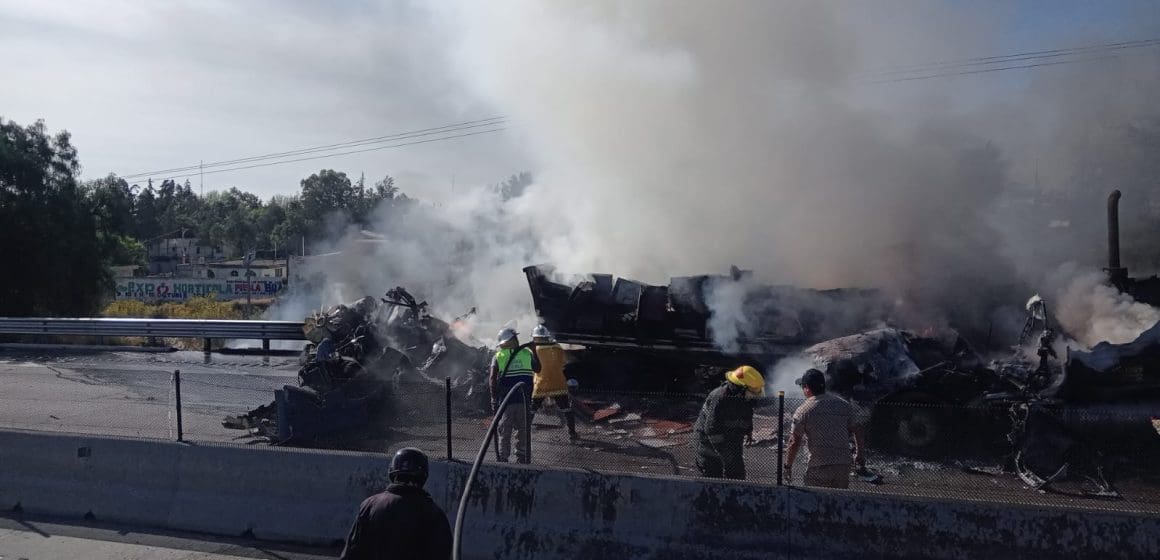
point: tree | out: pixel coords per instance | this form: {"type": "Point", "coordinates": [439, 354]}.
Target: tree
{"type": "Point", "coordinates": [54, 261]}
{"type": "Point", "coordinates": [326, 192]}
{"type": "Point", "coordinates": [365, 201]}
{"type": "Point", "coordinates": [146, 217]}
{"type": "Point", "coordinates": [113, 204]}
{"type": "Point", "coordinates": [514, 186]}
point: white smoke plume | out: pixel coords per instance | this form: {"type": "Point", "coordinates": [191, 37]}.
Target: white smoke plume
{"type": "Point", "coordinates": [676, 138]}
{"type": "Point", "coordinates": [1091, 311]}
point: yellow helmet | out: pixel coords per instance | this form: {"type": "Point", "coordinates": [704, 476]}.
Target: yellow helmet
{"type": "Point", "coordinates": [748, 377]}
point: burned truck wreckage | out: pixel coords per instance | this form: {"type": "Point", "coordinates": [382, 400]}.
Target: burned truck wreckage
{"type": "Point", "coordinates": [1049, 414]}
{"type": "Point", "coordinates": [1048, 420]}
{"type": "Point", "coordinates": [664, 338]}
{"type": "Point", "coordinates": [370, 361]}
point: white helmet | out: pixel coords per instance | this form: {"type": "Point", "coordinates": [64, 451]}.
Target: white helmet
{"type": "Point", "coordinates": [541, 332]}
{"type": "Point", "coordinates": [505, 335]}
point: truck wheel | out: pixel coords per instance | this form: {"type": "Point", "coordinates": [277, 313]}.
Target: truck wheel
{"type": "Point", "coordinates": [915, 425]}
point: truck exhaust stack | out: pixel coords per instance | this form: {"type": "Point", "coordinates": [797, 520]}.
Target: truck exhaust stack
{"type": "Point", "coordinates": [1117, 274]}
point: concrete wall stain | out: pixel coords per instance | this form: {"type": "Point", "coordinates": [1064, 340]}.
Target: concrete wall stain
{"type": "Point", "coordinates": [599, 496]}
{"type": "Point", "coordinates": [520, 489]}
{"type": "Point", "coordinates": [369, 481]}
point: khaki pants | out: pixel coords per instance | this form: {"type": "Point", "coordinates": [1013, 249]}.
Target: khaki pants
{"type": "Point", "coordinates": [828, 476]}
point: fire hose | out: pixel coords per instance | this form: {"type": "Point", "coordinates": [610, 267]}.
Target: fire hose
{"type": "Point", "coordinates": [457, 540]}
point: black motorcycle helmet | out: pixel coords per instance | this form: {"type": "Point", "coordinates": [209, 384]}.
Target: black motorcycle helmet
{"type": "Point", "coordinates": [409, 465]}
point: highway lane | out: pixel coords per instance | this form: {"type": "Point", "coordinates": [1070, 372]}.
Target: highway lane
{"type": "Point", "coordinates": [41, 538]}
{"type": "Point", "coordinates": [131, 393]}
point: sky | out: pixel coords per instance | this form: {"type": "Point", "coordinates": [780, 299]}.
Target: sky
{"type": "Point", "coordinates": [145, 85]}
{"type": "Point", "coordinates": [667, 137]}
{"type": "Point", "coordinates": [155, 85]}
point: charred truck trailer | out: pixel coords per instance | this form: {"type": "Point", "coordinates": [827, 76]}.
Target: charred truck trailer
{"type": "Point", "coordinates": [639, 336]}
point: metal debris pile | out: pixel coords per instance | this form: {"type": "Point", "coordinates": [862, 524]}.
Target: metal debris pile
{"type": "Point", "coordinates": [372, 359]}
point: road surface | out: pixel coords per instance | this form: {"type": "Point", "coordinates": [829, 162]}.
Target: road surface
{"type": "Point", "coordinates": [38, 538]}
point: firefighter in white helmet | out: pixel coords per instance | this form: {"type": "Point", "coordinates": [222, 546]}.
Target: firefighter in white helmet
{"type": "Point", "coordinates": [550, 383]}
{"type": "Point", "coordinates": [512, 364]}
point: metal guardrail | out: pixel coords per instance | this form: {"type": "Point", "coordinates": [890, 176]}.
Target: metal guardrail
{"type": "Point", "coordinates": [174, 328]}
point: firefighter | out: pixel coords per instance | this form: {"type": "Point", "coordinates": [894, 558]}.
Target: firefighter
{"type": "Point", "coordinates": [550, 383]}
{"type": "Point", "coordinates": [725, 422]}
{"type": "Point", "coordinates": [512, 364]}
{"type": "Point", "coordinates": [402, 521]}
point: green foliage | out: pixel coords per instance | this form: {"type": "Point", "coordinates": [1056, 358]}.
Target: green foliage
{"type": "Point", "coordinates": [49, 242]}
{"type": "Point", "coordinates": [127, 251]}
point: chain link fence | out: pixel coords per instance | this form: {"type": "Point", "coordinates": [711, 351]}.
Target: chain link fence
{"type": "Point", "coordinates": [1008, 450]}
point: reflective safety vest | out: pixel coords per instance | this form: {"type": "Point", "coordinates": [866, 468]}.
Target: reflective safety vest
{"type": "Point", "coordinates": [521, 363]}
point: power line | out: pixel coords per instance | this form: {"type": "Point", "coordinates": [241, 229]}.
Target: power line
{"type": "Point", "coordinates": [988, 70]}
{"type": "Point", "coordinates": [467, 125]}
{"type": "Point", "coordinates": [323, 156]}
{"type": "Point", "coordinates": [964, 67]}
{"type": "Point", "coordinates": [1017, 57]}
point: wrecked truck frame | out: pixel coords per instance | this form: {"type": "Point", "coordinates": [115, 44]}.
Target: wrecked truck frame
{"type": "Point", "coordinates": [662, 333]}
{"type": "Point", "coordinates": [918, 395]}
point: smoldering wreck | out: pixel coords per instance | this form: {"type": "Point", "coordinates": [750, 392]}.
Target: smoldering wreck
{"type": "Point", "coordinates": [1043, 416]}
{"type": "Point", "coordinates": [368, 363]}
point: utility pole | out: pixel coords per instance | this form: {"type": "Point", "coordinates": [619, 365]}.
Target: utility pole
{"type": "Point", "coordinates": [249, 258]}
{"type": "Point", "coordinates": [201, 178]}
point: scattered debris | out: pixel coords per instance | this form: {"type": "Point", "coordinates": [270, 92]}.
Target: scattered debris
{"type": "Point", "coordinates": [626, 419]}
{"type": "Point", "coordinates": [866, 475]}
{"type": "Point", "coordinates": [606, 413]}
{"type": "Point", "coordinates": [656, 443]}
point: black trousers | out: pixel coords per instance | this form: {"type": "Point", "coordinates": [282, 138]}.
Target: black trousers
{"type": "Point", "coordinates": [564, 405]}
{"type": "Point", "coordinates": [721, 460]}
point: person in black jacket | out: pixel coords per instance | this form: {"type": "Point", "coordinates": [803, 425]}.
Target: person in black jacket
{"type": "Point", "coordinates": [402, 522]}
{"type": "Point", "coordinates": [725, 422]}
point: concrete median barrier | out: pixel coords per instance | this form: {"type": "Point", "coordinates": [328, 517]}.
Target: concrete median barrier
{"type": "Point", "coordinates": [519, 512]}
{"type": "Point", "coordinates": [524, 512]}
{"type": "Point", "coordinates": [275, 494]}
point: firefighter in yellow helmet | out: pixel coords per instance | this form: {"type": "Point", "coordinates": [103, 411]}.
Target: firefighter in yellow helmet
{"type": "Point", "coordinates": [725, 421]}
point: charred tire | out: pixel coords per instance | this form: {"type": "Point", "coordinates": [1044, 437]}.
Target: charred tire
{"type": "Point", "coordinates": [917, 425]}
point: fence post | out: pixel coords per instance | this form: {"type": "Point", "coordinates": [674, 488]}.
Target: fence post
{"type": "Point", "coordinates": [177, 399]}
{"type": "Point", "coordinates": [447, 384]}
{"type": "Point", "coordinates": [528, 423]}
{"type": "Point", "coordinates": [780, 435]}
